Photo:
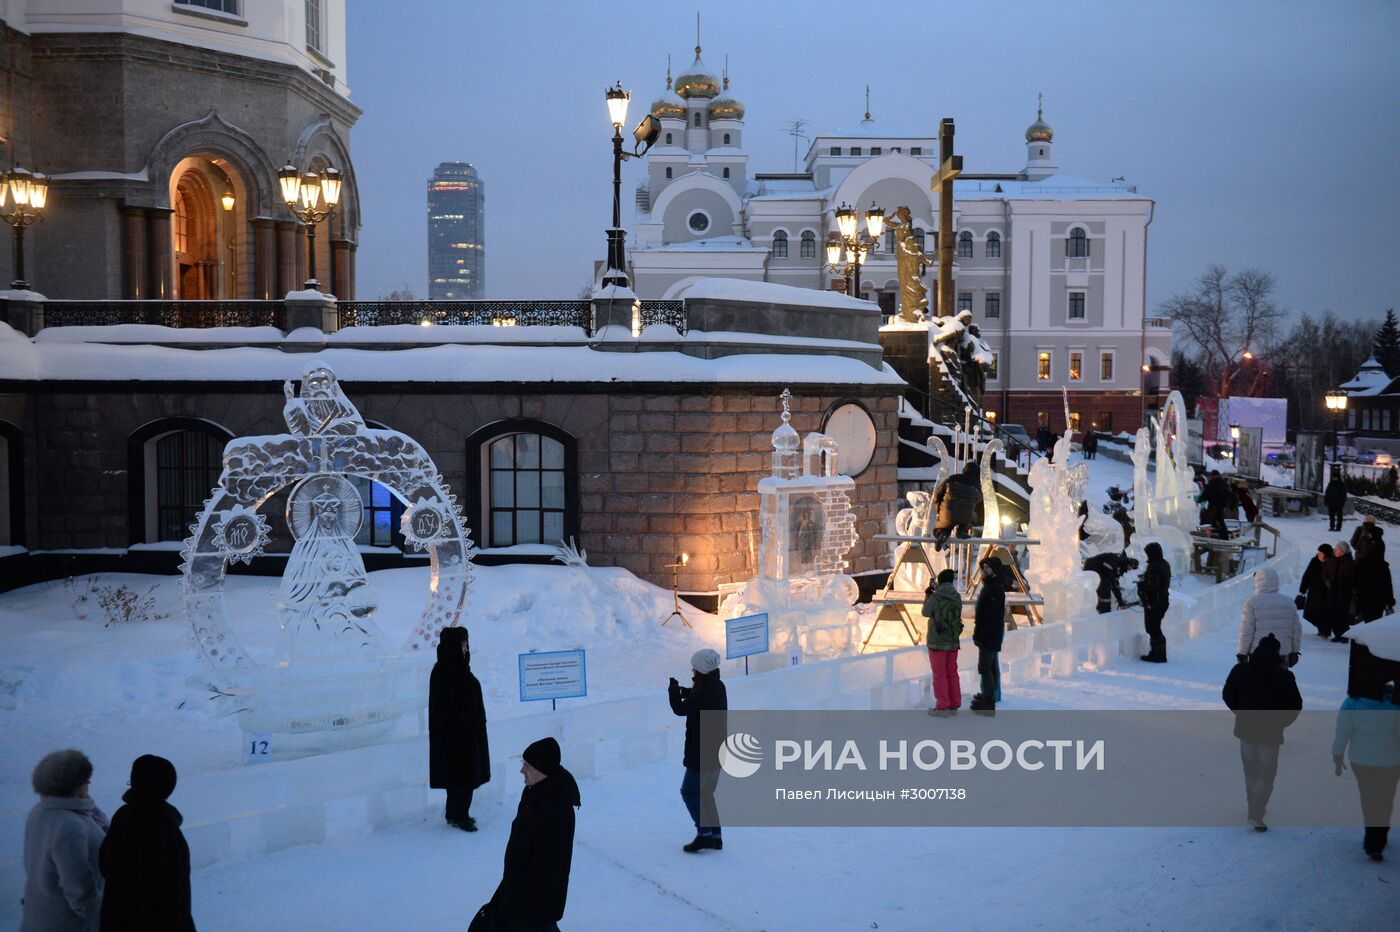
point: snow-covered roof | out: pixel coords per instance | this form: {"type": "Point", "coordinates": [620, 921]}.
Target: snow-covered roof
{"type": "Point", "coordinates": [734, 289]}
{"type": "Point", "coordinates": [870, 129]}
{"type": "Point", "coordinates": [1370, 379]}
{"type": "Point", "coordinates": [1057, 187]}
{"type": "Point", "coordinates": [1381, 638]}
{"type": "Point", "coordinates": [709, 244]}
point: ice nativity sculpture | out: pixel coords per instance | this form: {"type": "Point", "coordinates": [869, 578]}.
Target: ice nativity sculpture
{"type": "Point", "coordinates": [807, 529]}
{"type": "Point", "coordinates": [1165, 512]}
{"type": "Point", "coordinates": [333, 680]}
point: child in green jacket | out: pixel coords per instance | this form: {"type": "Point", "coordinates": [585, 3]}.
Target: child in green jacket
{"type": "Point", "coordinates": [943, 608]}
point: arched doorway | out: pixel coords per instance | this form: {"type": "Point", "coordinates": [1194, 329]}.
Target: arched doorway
{"type": "Point", "coordinates": [209, 213]}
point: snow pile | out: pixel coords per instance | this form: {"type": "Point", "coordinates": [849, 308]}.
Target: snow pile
{"type": "Point", "coordinates": [734, 289]}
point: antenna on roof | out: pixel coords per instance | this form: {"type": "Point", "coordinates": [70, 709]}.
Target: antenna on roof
{"type": "Point", "coordinates": [795, 131]}
{"type": "Point", "coordinates": [867, 101]}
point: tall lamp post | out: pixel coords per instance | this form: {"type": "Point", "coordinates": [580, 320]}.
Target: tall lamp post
{"type": "Point", "coordinates": [1235, 447]}
{"type": "Point", "coordinates": [305, 193]}
{"type": "Point", "coordinates": [30, 194]}
{"type": "Point", "coordinates": [1336, 401]}
{"type": "Point", "coordinates": [229, 202]}
{"type": "Point", "coordinates": [644, 135]}
{"type": "Point", "coordinates": [854, 243]}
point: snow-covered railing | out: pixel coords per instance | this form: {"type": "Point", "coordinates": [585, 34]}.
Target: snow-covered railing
{"type": "Point", "coordinates": [578, 313]}
{"type": "Point", "coordinates": [179, 314]}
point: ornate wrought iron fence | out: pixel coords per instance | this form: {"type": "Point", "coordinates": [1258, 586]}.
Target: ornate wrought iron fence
{"type": "Point", "coordinates": [665, 312]}
{"type": "Point", "coordinates": [181, 314]}
{"type": "Point", "coordinates": [480, 313]}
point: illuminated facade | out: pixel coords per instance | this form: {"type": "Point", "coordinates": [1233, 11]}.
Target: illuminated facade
{"type": "Point", "coordinates": [456, 233]}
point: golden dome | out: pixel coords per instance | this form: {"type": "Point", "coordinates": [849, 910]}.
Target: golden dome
{"type": "Point", "coordinates": [668, 108]}
{"type": "Point", "coordinates": [726, 108]}
{"type": "Point", "coordinates": [697, 81]}
{"type": "Point", "coordinates": [1039, 131]}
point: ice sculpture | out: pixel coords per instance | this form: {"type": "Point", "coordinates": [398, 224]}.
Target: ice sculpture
{"type": "Point", "coordinates": [1056, 570]}
{"type": "Point", "coordinates": [808, 528]}
{"type": "Point", "coordinates": [1165, 513]}
{"type": "Point", "coordinates": [335, 681]}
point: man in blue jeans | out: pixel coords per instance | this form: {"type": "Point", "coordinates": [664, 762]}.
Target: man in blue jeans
{"type": "Point", "coordinates": [705, 694]}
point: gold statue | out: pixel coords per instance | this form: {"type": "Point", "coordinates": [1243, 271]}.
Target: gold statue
{"type": "Point", "coordinates": [909, 260]}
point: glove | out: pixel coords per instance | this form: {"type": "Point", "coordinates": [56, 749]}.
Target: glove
{"type": "Point", "coordinates": [674, 684]}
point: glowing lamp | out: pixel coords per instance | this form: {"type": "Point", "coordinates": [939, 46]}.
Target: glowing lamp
{"type": "Point", "coordinates": [19, 186]}
{"type": "Point", "coordinates": [227, 200]}
{"type": "Point", "coordinates": [38, 191]}
{"type": "Point", "coordinates": [846, 220]}
{"type": "Point", "coordinates": [617, 104]}
{"type": "Point", "coordinates": [875, 221]}
{"type": "Point", "coordinates": [290, 180]}
{"type": "Point", "coordinates": [833, 251]}
{"type": "Point", "coordinates": [330, 186]}
{"type": "Point", "coordinates": [310, 190]}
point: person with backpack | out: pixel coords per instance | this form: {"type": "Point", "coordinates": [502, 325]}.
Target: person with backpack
{"type": "Point", "coordinates": [943, 608]}
{"type": "Point", "coordinates": [1263, 694]}
{"type": "Point", "coordinates": [988, 631]}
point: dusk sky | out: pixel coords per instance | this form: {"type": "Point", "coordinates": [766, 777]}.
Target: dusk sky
{"type": "Point", "coordinates": [1267, 132]}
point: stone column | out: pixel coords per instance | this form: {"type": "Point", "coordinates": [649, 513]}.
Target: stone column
{"type": "Point", "coordinates": [342, 283]}
{"type": "Point", "coordinates": [312, 309]}
{"type": "Point", "coordinates": [265, 260]}
{"type": "Point", "coordinates": [160, 277]}
{"type": "Point", "coordinates": [134, 252]}
{"type": "Point", "coordinates": [287, 277]}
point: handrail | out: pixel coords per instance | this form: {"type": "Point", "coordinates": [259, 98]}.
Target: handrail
{"type": "Point", "coordinates": [987, 425]}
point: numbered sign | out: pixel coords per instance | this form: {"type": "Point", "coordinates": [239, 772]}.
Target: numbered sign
{"type": "Point", "coordinates": [795, 658]}
{"type": "Point", "coordinates": [257, 747]}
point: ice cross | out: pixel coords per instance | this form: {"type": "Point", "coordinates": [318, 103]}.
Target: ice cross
{"type": "Point", "coordinates": [786, 396]}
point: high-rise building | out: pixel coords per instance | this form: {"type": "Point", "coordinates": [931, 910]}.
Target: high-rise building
{"type": "Point", "coordinates": [456, 233]}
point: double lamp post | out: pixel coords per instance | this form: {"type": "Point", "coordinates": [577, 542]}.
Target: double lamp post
{"type": "Point", "coordinates": [854, 244]}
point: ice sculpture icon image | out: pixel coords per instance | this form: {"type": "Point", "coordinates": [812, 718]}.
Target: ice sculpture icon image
{"type": "Point", "coordinates": [741, 755]}
{"type": "Point", "coordinates": [334, 681]}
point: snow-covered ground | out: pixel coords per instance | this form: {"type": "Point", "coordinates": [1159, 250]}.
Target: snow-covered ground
{"type": "Point", "coordinates": [120, 691]}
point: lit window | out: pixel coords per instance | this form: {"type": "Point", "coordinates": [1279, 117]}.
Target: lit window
{"type": "Point", "coordinates": [1042, 367]}
{"type": "Point", "coordinates": [1077, 246]}
{"type": "Point", "coordinates": [527, 482]}
{"type": "Point", "coordinates": [994, 245]}
{"type": "Point", "coordinates": [780, 244]}
{"type": "Point", "coordinates": [965, 301]}
{"type": "Point", "coordinates": [992, 306]}
{"type": "Point", "coordinates": [964, 245]}
{"type": "Point", "coordinates": [1106, 367]}
{"type": "Point", "coordinates": [993, 367]}
{"type": "Point", "coordinates": [1076, 305]}
{"type": "Point", "coordinates": [1074, 421]}
{"type": "Point", "coordinates": [314, 23]}
{"type": "Point", "coordinates": [1076, 366]}
{"type": "Point", "coordinates": [809, 244]}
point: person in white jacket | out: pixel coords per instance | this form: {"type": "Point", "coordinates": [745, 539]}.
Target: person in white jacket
{"type": "Point", "coordinates": [1269, 611]}
{"type": "Point", "coordinates": [62, 838]}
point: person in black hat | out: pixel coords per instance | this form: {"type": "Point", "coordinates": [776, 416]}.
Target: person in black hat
{"type": "Point", "coordinates": [144, 857]}
{"type": "Point", "coordinates": [1264, 696]}
{"type": "Point", "coordinates": [988, 630]}
{"type": "Point", "coordinates": [1154, 592]}
{"type": "Point", "coordinates": [459, 759]}
{"type": "Point", "coordinates": [535, 882]}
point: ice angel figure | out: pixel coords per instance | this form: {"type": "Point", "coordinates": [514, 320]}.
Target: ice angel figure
{"type": "Point", "coordinates": [326, 599]}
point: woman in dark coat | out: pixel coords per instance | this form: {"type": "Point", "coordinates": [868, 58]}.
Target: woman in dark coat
{"type": "Point", "coordinates": [1313, 590]}
{"type": "Point", "coordinates": [1341, 590]}
{"type": "Point", "coordinates": [144, 858]}
{"type": "Point", "coordinates": [458, 757]}
{"type": "Point", "coordinates": [1375, 595]}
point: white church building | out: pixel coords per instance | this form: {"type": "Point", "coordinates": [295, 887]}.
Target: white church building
{"type": "Point", "coordinates": [1052, 267]}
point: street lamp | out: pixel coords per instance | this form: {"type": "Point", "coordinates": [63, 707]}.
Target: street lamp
{"type": "Point", "coordinates": [854, 243]}
{"type": "Point", "coordinates": [644, 136]}
{"type": "Point", "coordinates": [304, 193]}
{"type": "Point", "coordinates": [1235, 446]}
{"type": "Point", "coordinates": [228, 201]}
{"type": "Point", "coordinates": [30, 193]}
{"type": "Point", "coordinates": [1336, 401]}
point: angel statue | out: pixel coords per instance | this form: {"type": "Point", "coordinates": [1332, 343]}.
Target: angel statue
{"type": "Point", "coordinates": [322, 408]}
{"type": "Point", "coordinates": [909, 260]}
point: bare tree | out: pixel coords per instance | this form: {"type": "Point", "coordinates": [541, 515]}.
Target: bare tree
{"type": "Point", "coordinates": [1228, 318]}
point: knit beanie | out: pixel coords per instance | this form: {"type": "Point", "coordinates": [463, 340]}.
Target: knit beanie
{"type": "Point", "coordinates": [705, 660]}
{"type": "Point", "coordinates": [543, 755]}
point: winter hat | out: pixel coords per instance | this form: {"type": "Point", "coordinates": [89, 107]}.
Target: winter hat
{"type": "Point", "coordinates": [543, 755]}
{"type": "Point", "coordinates": [705, 660]}
{"type": "Point", "coordinates": [1325, 549]}
{"type": "Point", "coordinates": [152, 777]}
{"type": "Point", "coordinates": [1153, 551]}
{"type": "Point", "coordinates": [948, 575]}
{"type": "Point", "coordinates": [455, 635]}
{"type": "Point", "coordinates": [1369, 519]}
{"type": "Point", "coordinates": [60, 773]}
{"type": "Point", "coordinates": [1266, 650]}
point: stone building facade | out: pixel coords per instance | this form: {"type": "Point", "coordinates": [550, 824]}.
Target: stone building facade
{"type": "Point", "coordinates": [162, 127]}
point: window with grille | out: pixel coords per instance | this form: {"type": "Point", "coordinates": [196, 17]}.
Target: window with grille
{"type": "Point", "coordinates": [809, 244]}
{"type": "Point", "coordinates": [889, 242]}
{"type": "Point", "coordinates": [1077, 246]}
{"type": "Point", "coordinates": [526, 488]}
{"type": "Point", "coordinates": [875, 150]}
{"type": "Point", "coordinates": [1106, 367]}
{"type": "Point", "coordinates": [964, 245]}
{"type": "Point", "coordinates": [726, 139]}
{"type": "Point", "coordinates": [780, 244]}
{"type": "Point", "coordinates": [380, 510]}
{"type": "Point", "coordinates": [188, 464]}
{"type": "Point", "coordinates": [993, 245]}
{"type": "Point", "coordinates": [835, 150]}
{"type": "Point", "coordinates": [219, 6]}
{"type": "Point", "coordinates": [314, 25]}
{"type": "Point", "coordinates": [991, 306]}
{"type": "Point", "coordinates": [1076, 305]}
{"type": "Point", "coordinates": [855, 150]}
{"type": "Point", "coordinates": [965, 301]}
{"type": "Point", "coordinates": [919, 239]}
{"type": "Point", "coordinates": [1076, 366]}
{"type": "Point", "coordinates": [916, 150]}
{"type": "Point", "coordinates": [1042, 366]}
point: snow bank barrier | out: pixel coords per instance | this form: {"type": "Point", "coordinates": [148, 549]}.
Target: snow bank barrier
{"type": "Point", "coordinates": [262, 808]}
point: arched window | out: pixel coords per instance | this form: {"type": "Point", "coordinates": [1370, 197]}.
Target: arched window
{"type": "Point", "coordinates": [528, 476]}
{"type": "Point", "coordinates": [173, 465]}
{"type": "Point", "coordinates": [1077, 246]}
{"type": "Point", "coordinates": [918, 239]}
{"type": "Point", "coordinates": [780, 244]}
{"type": "Point", "coordinates": [993, 245]}
{"type": "Point", "coordinates": [668, 171]}
{"type": "Point", "coordinates": [809, 244]}
{"type": "Point", "coordinates": [726, 139]}
{"type": "Point", "coordinates": [668, 139]}
{"type": "Point", "coordinates": [964, 245]}
{"type": "Point", "coordinates": [726, 172]}
{"type": "Point", "coordinates": [697, 118]}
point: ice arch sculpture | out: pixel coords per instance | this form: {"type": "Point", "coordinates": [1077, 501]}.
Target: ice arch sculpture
{"type": "Point", "coordinates": [333, 670]}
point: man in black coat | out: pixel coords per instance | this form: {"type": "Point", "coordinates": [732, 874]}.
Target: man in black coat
{"type": "Point", "coordinates": [705, 694]}
{"type": "Point", "coordinates": [1313, 588]}
{"type": "Point", "coordinates": [1341, 590]}
{"type": "Point", "coordinates": [1110, 567]}
{"type": "Point", "coordinates": [1154, 592]}
{"type": "Point", "coordinates": [1220, 501]}
{"type": "Point", "coordinates": [1335, 498]}
{"type": "Point", "coordinates": [459, 759]}
{"type": "Point", "coordinates": [144, 857]}
{"type": "Point", "coordinates": [1091, 445]}
{"type": "Point", "coordinates": [1264, 697]}
{"type": "Point", "coordinates": [988, 631]}
{"type": "Point", "coordinates": [535, 882]}
{"type": "Point", "coordinates": [958, 501]}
